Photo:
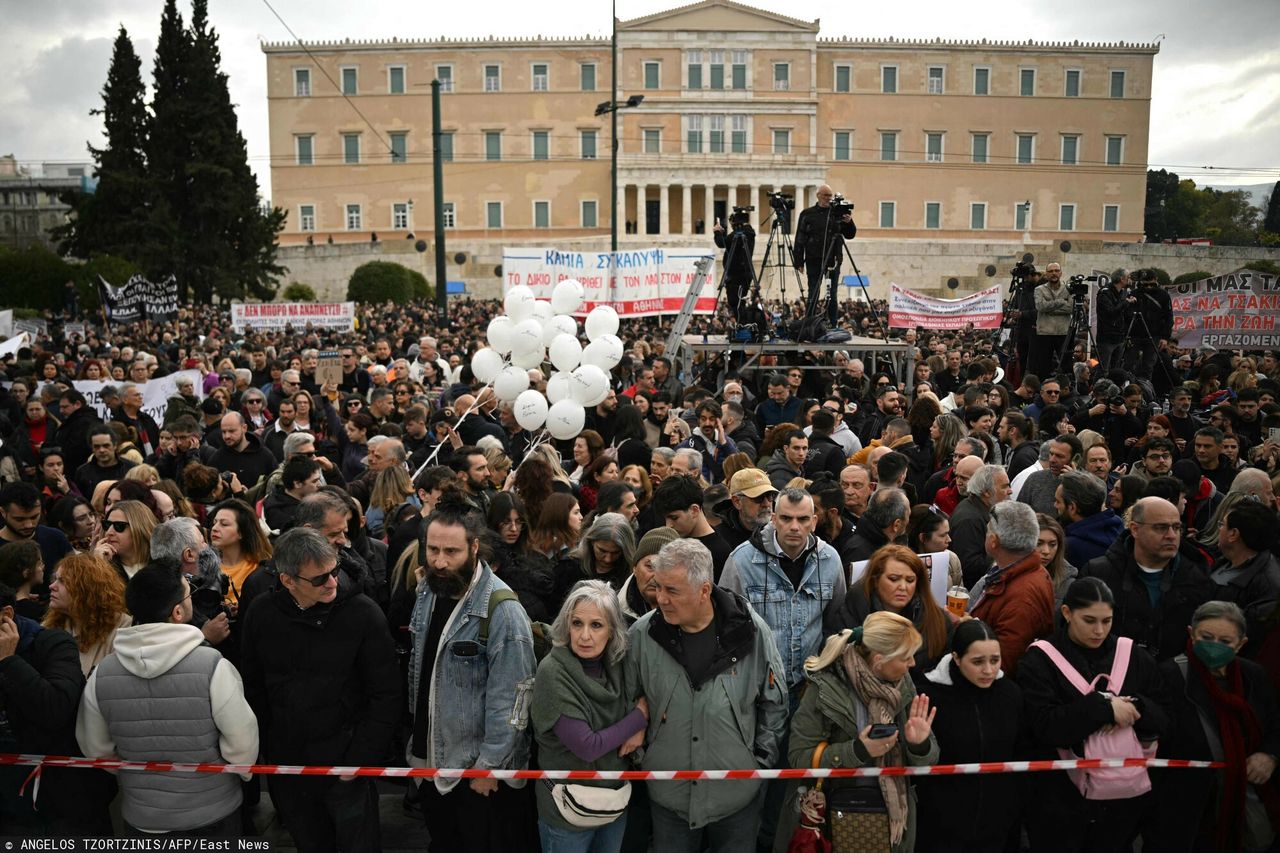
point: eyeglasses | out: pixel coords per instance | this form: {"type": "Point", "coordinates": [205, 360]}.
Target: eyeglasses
{"type": "Point", "coordinates": [517, 524]}
{"type": "Point", "coordinates": [1050, 392]}
{"type": "Point", "coordinates": [319, 580]}
{"type": "Point", "coordinates": [1159, 456]}
{"type": "Point", "coordinates": [118, 526]}
{"type": "Point", "coordinates": [1161, 528]}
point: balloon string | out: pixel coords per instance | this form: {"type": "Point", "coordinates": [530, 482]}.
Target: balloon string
{"type": "Point", "coordinates": [461, 418]}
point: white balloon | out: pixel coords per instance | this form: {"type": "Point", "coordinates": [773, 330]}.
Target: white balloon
{"type": "Point", "coordinates": [519, 303]}
{"type": "Point", "coordinates": [604, 352]}
{"type": "Point", "coordinates": [589, 385]}
{"type": "Point", "coordinates": [510, 383]}
{"type": "Point", "coordinates": [530, 409]}
{"type": "Point", "coordinates": [567, 296]}
{"type": "Point", "coordinates": [602, 320]}
{"type": "Point", "coordinates": [529, 360]}
{"type": "Point", "coordinates": [499, 334]}
{"type": "Point", "coordinates": [560, 324]}
{"type": "Point", "coordinates": [486, 364]}
{"type": "Point", "coordinates": [559, 387]}
{"type": "Point", "coordinates": [565, 419]}
{"type": "Point", "coordinates": [565, 352]}
{"type": "Point", "coordinates": [526, 336]}
{"type": "Point", "coordinates": [542, 311]}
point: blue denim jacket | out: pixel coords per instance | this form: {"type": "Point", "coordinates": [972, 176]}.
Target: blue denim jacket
{"type": "Point", "coordinates": [479, 702]}
{"type": "Point", "coordinates": [793, 615]}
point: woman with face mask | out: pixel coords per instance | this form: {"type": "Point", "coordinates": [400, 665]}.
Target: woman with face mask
{"type": "Point", "coordinates": [1224, 709]}
{"type": "Point", "coordinates": [979, 719]}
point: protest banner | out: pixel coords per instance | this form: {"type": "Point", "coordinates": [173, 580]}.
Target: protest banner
{"type": "Point", "coordinates": [277, 315]}
{"type": "Point", "coordinates": [937, 564]}
{"type": "Point", "coordinates": [14, 343]}
{"type": "Point", "coordinates": [139, 299]}
{"type": "Point", "coordinates": [909, 309]}
{"type": "Point", "coordinates": [6, 323]}
{"type": "Point", "coordinates": [70, 330]}
{"type": "Point", "coordinates": [646, 281]}
{"type": "Point", "coordinates": [1233, 311]}
{"type": "Point", "coordinates": [32, 326]}
{"type": "Point", "coordinates": [155, 393]}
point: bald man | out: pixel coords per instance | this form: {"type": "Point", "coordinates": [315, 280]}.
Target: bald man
{"type": "Point", "coordinates": [242, 453]}
{"type": "Point", "coordinates": [478, 424]}
{"type": "Point", "coordinates": [819, 249]}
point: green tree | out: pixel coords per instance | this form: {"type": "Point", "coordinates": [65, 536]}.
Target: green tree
{"type": "Point", "coordinates": [1229, 217]}
{"type": "Point", "coordinates": [299, 292]}
{"type": "Point", "coordinates": [1162, 186]}
{"type": "Point", "coordinates": [32, 277]}
{"type": "Point", "coordinates": [380, 281]}
{"type": "Point", "coordinates": [1272, 221]}
{"type": "Point", "coordinates": [421, 289]}
{"type": "Point", "coordinates": [168, 148]}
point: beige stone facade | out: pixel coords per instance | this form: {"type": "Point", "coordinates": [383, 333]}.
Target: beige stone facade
{"type": "Point", "coordinates": [933, 141]}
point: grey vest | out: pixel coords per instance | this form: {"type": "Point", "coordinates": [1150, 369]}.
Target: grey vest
{"type": "Point", "coordinates": [167, 718]}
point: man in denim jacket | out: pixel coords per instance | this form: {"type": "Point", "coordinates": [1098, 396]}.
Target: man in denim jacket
{"type": "Point", "coordinates": [469, 696]}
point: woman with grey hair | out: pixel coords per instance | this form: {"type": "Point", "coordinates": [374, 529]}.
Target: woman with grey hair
{"type": "Point", "coordinates": [1223, 708]}
{"type": "Point", "coordinates": [608, 550]}
{"type": "Point", "coordinates": [582, 720]}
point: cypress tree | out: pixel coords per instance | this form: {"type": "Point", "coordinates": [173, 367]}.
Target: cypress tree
{"type": "Point", "coordinates": [169, 148]}
{"type": "Point", "coordinates": [1272, 222]}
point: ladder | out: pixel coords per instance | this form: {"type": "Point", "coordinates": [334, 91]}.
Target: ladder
{"type": "Point", "coordinates": [681, 324]}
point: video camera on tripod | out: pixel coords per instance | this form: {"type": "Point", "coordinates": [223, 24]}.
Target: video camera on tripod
{"type": "Point", "coordinates": [1018, 276]}
{"type": "Point", "coordinates": [1078, 286]}
{"type": "Point", "coordinates": [741, 216]}
{"type": "Point", "coordinates": [840, 206]}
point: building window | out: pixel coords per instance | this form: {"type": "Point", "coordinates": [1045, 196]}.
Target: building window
{"type": "Point", "coordinates": [590, 217]}
{"type": "Point", "coordinates": [493, 145]}
{"type": "Point", "coordinates": [781, 141]}
{"type": "Point", "coordinates": [587, 77]}
{"type": "Point", "coordinates": [351, 148]}
{"type": "Point", "coordinates": [889, 146]}
{"type": "Point", "coordinates": [350, 82]}
{"type": "Point", "coordinates": [889, 79]}
{"type": "Point", "coordinates": [652, 140]}
{"type": "Point", "coordinates": [781, 76]}
{"type": "Point", "coordinates": [843, 78]}
{"type": "Point", "coordinates": [588, 140]}
{"type": "Point", "coordinates": [843, 142]}
{"type": "Point", "coordinates": [981, 81]}
{"type": "Point", "coordinates": [694, 137]}
{"type": "Point", "coordinates": [933, 214]}
{"type": "Point", "coordinates": [1115, 150]}
{"type": "Point", "coordinates": [888, 213]}
{"type": "Point", "coordinates": [1070, 150]}
{"type": "Point", "coordinates": [1117, 84]}
{"type": "Point", "coordinates": [542, 214]}
{"type": "Point", "coordinates": [1111, 217]}
{"type": "Point", "coordinates": [653, 75]}
{"type": "Point", "coordinates": [978, 215]}
{"type": "Point", "coordinates": [933, 147]}
{"type": "Point", "coordinates": [306, 150]}
{"type": "Point", "coordinates": [354, 219]}
{"type": "Point", "coordinates": [302, 82]}
{"type": "Point", "coordinates": [400, 216]}
{"type": "Point", "coordinates": [306, 217]}
{"type": "Point", "coordinates": [694, 61]}
{"type": "Point", "coordinates": [739, 69]}
{"type": "Point", "coordinates": [936, 77]}
{"type": "Point", "coordinates": [447, 215]}
{"type": "Point", "coordinates": [399, 147]}
{"type": "Point", "coordinates": [1066, 217]}
{"type": "Point", "coordinates": [981, 144]}
{"type": "Point", "coordinates": [493, 214]}
{"type": "Point", "coordinates": [541, 144]}
{"type": "Point", "coordinates": [444, 73]}
{"type": "Point", "coordinates": [1020, 212]}
{"type": "Point", "coordinates": [493, 78]}
{"type": "Point", "coordinates": [717, 69]}
{"type": "Point", "coordinates": [395, 79]}
{"type": "Point", "coordinates": [1073, 83]}
{"type": "Point", "coordinates": [739, 134]}
{"type": "Point", "coordinates": [446, 147]}
{"type": "Point", "coordinates": [1027, 82]}
{"type": "Point", "coordinates": [540, 77]}
{"type": "Point", "coordinates": [1026, 148]}
{"type": "Point", "coordinates": [717, 134]}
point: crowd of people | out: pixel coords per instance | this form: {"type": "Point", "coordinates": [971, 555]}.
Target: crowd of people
{"type": "Point", "coordinates": [724, 570]}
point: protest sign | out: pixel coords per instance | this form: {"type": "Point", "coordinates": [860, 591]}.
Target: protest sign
{"type": "Point", "coordinates": [1233, 311]}
{"type": "Point", "coordinates": [645, 281]}
{"type": "Point", "coordinates": [329, 369]}
{"type": "Point", "coordinates": [155, 393]}
{"type": "Point", "coordinates": [937, 565]}
{"type": "Point", "coordinates": [70, 330]}
{"type": "Point", "coordinates": [31, 326]}
{"type": "Point", "coordinates": [14, 343]}
{"type": "Point", "coordinates": [277, 315]}
{"type": "Point", "coordinates": [909, 309]}
{"type": "Point", "coordinates": [139, 299]}
{"type": "Point", "coordinates": [6, 323]}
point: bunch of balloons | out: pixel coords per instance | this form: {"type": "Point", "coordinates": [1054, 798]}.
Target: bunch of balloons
{"type": "Point", "coordinates": [532, 332]}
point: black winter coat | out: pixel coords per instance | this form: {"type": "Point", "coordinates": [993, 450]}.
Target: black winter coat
{"type": "Point", "coordinates": [864, 542]}
{"type": "Point", "coordinates": [73, 437]}
{"type": "Point", "coordinates": [250, 465]}
{"type": "Point", "coordinates": [969, 536]}
{"type": "Point", "coordinates": [1256, 589]}
{"type": "Point", "coordinates": [825, 454]}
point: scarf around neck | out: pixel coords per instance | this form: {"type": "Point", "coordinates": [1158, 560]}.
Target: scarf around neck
{"type": "Point", "coordinates": [882, 699]}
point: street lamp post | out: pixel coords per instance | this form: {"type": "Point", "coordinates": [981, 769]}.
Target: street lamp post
{"type": "Point", "coordinates": [612, 106]}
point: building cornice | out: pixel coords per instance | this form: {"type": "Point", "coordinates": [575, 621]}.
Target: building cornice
{"type": "Point", "coordinates": [1029, 45]}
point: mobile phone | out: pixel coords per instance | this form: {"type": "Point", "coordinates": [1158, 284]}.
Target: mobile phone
{"type": "Point", "coordinates": [1273, 434]}
{"type": "Point", "coordinates": [882, 730]}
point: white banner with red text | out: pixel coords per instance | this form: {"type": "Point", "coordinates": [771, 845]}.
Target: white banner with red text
{"type": "Point", "coordinates": [277, 315]}
{"type": "Point", "coordinates": [1233, 311]}
{"type": "Point", "coordinates": [909, 309]}
{"type": "Point", "coordinates": [646, 281]}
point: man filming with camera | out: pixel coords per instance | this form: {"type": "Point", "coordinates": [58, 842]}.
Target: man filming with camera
{"type": "Point", "coordinates": [1152, 327]}
{"type": "Point", "coordinates": [819, 248]}
{"type": "Point", "coordinates": [1115, 309]}
{"type": "Point", "coordinates": [739, 245]}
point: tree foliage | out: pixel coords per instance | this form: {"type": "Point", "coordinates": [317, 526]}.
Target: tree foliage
{"type": "Point", "coordinates": [1178, 209]}
{"type": "Point", "coordinates": [299, 292]}
{"type": "Point", "coordinates": [382, 281]}
{"type": "Point", "coordinates": [33, 277]}
{"type": "Point", "coordinates": [1272, 221]}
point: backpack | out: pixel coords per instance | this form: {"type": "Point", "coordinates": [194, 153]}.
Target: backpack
{"type": "Point", "coordinates": [1107, 783]}
{"type": "Point", "coordinates": [541, 630]}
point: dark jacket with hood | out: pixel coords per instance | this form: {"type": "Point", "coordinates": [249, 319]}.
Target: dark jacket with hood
{"type": "Point", "coordinates": [250, 465]}
{"type": "Point", "coordinates": [1091, 536]}
{"type": "Point", "coordinates": [73, 437]}
{"type": "Point", "coordinates": [279, 509]}
{"type": "Point", "coordinates": [865, 541]}
{"type": "Point", "coordinates": [825, 454]}
{"type": "Point", "coordinates": [1255, 586]}
{"type": "Point", "coordinates": [529, 576]}
{"type": "Point", "coordinates": [780, 471]}
{"type": "Point", "coordinates": [1160, 629]}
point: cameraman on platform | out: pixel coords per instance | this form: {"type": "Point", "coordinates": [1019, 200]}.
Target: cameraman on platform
{"type": "Point", "coordinates": [820, 237]}
{"type": "Point", "coordinates": [1114, 310]}
{"type": "Point", "coordinates": [1022, 312]}
{"type": "Point", "coordinates": [1153, 326]}
{"type": "Point", "coordinates": [739, 245]}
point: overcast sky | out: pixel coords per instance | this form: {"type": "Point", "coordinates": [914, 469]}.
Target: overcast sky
{"type": "Point", "coordinates": [1216, 99]}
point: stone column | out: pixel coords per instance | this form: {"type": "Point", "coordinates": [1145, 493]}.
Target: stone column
{"type": "Point", "coordinates": [664, 211]}
{"type": "Point", "coordinates": [686, 209]}
{"type": "Point", "coordinates": [708, 206]}
{"type": "Point", "coordinates": [620, 214]}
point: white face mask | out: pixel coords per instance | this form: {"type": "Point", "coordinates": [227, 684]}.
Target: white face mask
{"type": "Point", "coordinates": [733, 398]}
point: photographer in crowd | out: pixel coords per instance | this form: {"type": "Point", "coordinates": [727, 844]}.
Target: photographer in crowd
{"type": "Point", "coordinates": [1152, 328]}
{"type": "Point", "coordinates": [739, 246]}
{"type": "Point", "coordinates": [819, 248]}
{"type": "Point", "coordinates": [1114, 311]}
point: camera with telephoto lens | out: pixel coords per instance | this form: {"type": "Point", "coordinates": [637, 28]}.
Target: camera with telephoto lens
{"type": "Point", "coordinates": [1024, 269]}
{"type": "Point", "coordinates": [741, 216]}
{"type": "Point", "coordinates": [1078, 285]}
{"type": "Point", "coordinates": [840, 205]}
{"type": "Point", "coordinates": [208, 601]}
{"type": "Point", "coordinates": [782, 202]}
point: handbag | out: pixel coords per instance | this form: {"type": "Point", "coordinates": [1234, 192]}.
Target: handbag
{"type": "Point", "coordinates": [857, 820]}
{"type": "Point", "coordinates": [589, 806]}
{"type": "Point", "coordinates": [808, 836]}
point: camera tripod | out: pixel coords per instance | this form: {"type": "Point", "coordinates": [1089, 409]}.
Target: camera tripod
{"type": "Point", "coordinates": [751, 294]}
{"type": "Point", "coordinates": [1079, 320]}
{"type": "Point", "coordinates": [1129, 347]}
{"type": "Point", "coordinates": [831, 270]}
{"type": "Point", "coordinates": [780, 242]}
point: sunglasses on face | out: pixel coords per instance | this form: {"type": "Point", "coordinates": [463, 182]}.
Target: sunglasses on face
{"type": "Point", "coordinates": [118, 526]}
{"type": "Point", "coordinates": [320, 580]}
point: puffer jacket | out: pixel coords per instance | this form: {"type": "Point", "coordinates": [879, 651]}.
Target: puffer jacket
{"type": "Point", "coordinates": [1090, 537]}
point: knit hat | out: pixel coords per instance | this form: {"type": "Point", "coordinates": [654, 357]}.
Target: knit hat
{"type": "Point", "coordinates": [652, 542]}
{"type": "Point", "coordinates": [1189, 473]}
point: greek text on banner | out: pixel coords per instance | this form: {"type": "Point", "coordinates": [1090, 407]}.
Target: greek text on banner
{"type": "Point", "coordinates": [909, 309]}
{"type": "Point", "coordinates": [1233, 311]}
{"type": "Point", "coordinates": [277, 315]}
{"type": "Point", "coordinates": [646, 281]}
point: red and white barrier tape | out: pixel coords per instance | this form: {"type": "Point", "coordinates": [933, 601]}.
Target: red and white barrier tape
{"type": "Point", "coordinates": [577, 775]}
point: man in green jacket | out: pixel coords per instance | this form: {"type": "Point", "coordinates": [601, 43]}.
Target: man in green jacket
{"type": "Point", "coordinates": [710, 672]}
